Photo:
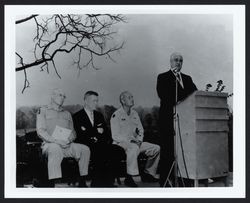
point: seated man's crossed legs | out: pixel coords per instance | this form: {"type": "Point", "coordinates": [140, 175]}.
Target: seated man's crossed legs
{"type": "Point", "coordinates": [152, 152]}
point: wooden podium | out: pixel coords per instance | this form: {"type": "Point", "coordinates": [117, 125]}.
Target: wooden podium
{"type": "Point", "coordinates": [202, 120]}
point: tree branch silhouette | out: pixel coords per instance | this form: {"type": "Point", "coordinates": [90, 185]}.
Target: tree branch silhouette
{"type": "Point", "coordinates": [90, 35]}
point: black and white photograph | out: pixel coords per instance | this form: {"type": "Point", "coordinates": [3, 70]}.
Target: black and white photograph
{"type": "Point", "coordinates": [125, 101]}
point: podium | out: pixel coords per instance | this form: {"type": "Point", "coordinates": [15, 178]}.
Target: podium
{"type": "Point", "coordinates": [202, 136]}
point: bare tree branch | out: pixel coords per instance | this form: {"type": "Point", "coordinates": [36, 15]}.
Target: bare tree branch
{"type": "Point", "coordinates": [26, 82]}
{"type": "Point", "coordinates": [25, 19]}
{"type": "Point", "coordinates": [91, 35]}
{"type": "Point", "coordinates": [55, 69]}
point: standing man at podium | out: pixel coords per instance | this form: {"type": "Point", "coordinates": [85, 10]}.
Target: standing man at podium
{"type": "Point", "coordinates": [166, 89]}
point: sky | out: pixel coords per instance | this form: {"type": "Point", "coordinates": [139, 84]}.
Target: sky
{"type": "Point", "coordinates": [205, 41]}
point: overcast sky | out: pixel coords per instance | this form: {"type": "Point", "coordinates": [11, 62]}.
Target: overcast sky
{"type": "Point", "coordinates": [206, 42]}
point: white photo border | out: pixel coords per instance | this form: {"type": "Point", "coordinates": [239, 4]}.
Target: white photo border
{"type": "Point", "coordinates": [239, 184]}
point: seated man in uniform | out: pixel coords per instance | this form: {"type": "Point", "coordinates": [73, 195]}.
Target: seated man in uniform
{"type": "Point", "coordinates": [55, 127]}
{"type": "Point", "coordinates": [127, 132]}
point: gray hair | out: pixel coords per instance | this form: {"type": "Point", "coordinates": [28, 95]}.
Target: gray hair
{"type": "Point", "coordinates": [57, 91]}
{"type": "Point", "coordinates": [175, 54]}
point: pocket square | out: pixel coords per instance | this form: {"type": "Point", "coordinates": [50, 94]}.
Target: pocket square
{"type": "Point", "coordinates": [83, 128]}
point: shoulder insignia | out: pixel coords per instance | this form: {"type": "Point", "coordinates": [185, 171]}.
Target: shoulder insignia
{"type": "Point", "coordinates": [42, 109]}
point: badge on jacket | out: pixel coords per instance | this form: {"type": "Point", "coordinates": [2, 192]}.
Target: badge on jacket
{"type": "Point", "coordinates": [38, 111]}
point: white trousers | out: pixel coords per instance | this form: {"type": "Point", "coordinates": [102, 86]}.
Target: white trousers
{"type": "Point", "coordinates": [55, 155]}
{"type": "Point", "coordinates": [152, 151]}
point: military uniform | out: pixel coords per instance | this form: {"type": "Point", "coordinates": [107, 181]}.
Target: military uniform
{"type": "Point", "coordinates": [47, 120]}
{"type": "Point", "coordinates": [125, 128]}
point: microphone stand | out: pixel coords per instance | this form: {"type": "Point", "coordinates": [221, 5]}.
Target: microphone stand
{"type": "Point", "coordinates": [175, 135]}
{"type": "Point", "coordinates": [174, 165]}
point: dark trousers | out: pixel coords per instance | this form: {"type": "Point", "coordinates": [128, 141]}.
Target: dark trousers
{"type": "Point", "coordinates": [105, 159]}
{"type": "Point", "coordinates": [166, 127]}
{"type": "Point", "coordinates": [166, 159]}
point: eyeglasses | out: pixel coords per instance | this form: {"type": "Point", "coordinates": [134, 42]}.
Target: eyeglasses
{"type": "Point", "coordinates": [61, 95]}
{"type": "Point", "coordinates": [178, 60]}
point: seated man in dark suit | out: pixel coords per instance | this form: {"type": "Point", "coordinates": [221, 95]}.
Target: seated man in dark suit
{"type": "Point", "coordinates": [92, 131]}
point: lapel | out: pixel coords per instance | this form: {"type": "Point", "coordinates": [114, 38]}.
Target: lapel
{"type": "Point", "coordinates": [180, 90]}
{"type": "Point", "coordinates": [85, 119]}
{"type": "Point", "coordinates": [171, 75]}
{"type": "Point", "coordinates": [94, 115]}
{"type": "Point", "coordinates": [173, 78]}
{"type": "Point", "coordinates": [98, 122]}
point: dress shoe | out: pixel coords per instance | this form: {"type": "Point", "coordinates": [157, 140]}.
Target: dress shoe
{"type": "Point", "coordinates": [82, 184]}
{"type": "Point", "coordinates": [129, 182]}
{"type": "Point", "coordinates": [148, 178]}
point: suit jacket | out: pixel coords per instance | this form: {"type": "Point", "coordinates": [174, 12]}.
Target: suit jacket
{"type": "Point", "coordinates": [166, 89]}
{"type": "Point", "coordinates": [86, 132]}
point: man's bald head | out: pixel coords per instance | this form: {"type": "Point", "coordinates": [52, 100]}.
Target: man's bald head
{"type": "Point", "coordinates": [57, 96]}
{"type": "Point", "coordinates": [176, 61]}
{"type": "Point", "coordinates": [57, 91]}
{"type": "Point", "coordinates": [126, 98]}
{"type": "Point", "coordinates": [175, 54]}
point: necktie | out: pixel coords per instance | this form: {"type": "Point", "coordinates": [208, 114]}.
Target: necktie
{"type": "Point", "coordinates": [178, 76]}
{"type": "Point", "coordinates": [179, 79]}
{"type": "Point", "coordinates": [92, 117]}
